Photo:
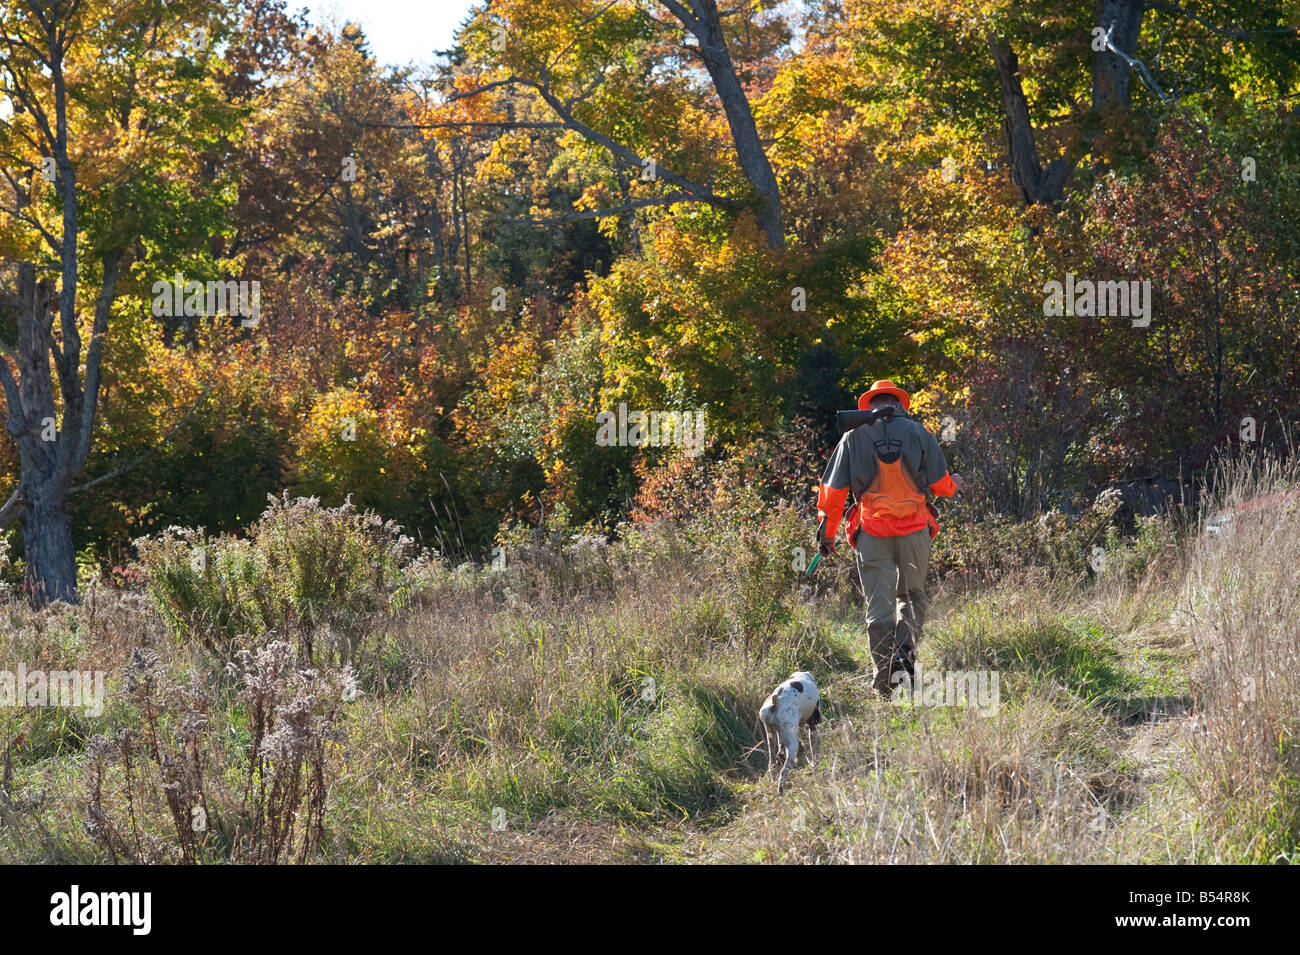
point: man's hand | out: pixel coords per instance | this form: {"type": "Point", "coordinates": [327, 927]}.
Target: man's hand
{"type": "Point", "coordinates": [956, 479]}
{"type": "Point", "coordinates": [826, 548]}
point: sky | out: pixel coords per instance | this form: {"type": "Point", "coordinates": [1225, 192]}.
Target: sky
{"type": "Point", "coordinates": [399, 31]}
{"type": "Point", "coordinates": [405, 31]}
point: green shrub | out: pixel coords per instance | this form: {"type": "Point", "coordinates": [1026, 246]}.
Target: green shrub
{"type": "Point", "coordinates": [327, 577]}
{"type": "Point", "coordinates": [996, 546]}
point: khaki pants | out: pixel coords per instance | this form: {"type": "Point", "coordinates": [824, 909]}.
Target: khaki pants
{"type": "Point", "coordinates": [892, 571]}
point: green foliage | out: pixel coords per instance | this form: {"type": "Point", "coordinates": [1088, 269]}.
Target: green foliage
{"type": "Point", "coordinates": [325, 577]}
{"type": "Point", "coordinates": [213, 468]}
{"type": "Point", "coordinates": [996, 546]}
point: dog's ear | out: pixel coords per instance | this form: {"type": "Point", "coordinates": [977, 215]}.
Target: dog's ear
{"type": "Point", "coordinates": [816, 715]}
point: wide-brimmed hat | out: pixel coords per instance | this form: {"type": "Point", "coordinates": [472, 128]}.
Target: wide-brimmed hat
{"type": "Point", "coordinates": [885, 387]}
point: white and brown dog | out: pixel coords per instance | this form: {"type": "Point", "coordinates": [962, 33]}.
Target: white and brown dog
{"type": "Point", "coordinates": [793, 704]}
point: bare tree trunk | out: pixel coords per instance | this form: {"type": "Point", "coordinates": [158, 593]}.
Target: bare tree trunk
{"type": "Point", "coordinates": [435, 231]}
{"type": "Point", "coordinates": [703, 22]}
{"type": "Point", "coordinates": [629, 216]}
{"type": "Point", "coordinates": [1037, 185]}
{"type": "Point", "coordinates": [453, 270]}
{"type": "Point", "coordinates": [1110, 96]}
{"type": "Point", "coordinates": [1110, 74]}
{"type": "Point", "coordinates": [47, 544]}
{"type": "Point", "coordinates": [465, 237]}
{"type": "Point", "coordinates": [51, 452]}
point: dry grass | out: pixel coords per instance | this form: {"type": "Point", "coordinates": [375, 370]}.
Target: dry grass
{"type": "Point", "coordinates": [596, 704]}
{"type": "Point", "coordinates": [1240, 602]}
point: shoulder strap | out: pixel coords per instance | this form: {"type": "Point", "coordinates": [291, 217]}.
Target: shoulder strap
{"type": "Point", "coordinates": [888, 449]}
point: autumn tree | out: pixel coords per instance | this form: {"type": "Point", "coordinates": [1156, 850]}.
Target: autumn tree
{"type": "Point", "coordinates": [106, 105]}
{"type": "Point", "coordinates": [1208, 229]}
{"type": "Point", "coordinates": [619, 74]}
{"type": "Point", "coordinates": [1053, 84]}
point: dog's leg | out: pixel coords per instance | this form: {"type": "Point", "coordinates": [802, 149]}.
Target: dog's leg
{"type": "Point", "coordinates": [773, 748]}
{"type": "Point", "coordinates": [814, 732]}
{"type": "Point", "coordinates": [790, 738]}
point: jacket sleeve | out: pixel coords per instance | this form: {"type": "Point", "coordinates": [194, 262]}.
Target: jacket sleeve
{"type": "Point", "coordinates": [934, 467]}
{"type": "Point", "coordinates": [944, 487]}
{"type": "Point", "coordinates": [832, 492]}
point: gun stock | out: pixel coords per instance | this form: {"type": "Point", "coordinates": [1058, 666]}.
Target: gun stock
{"type": "Point", "coordinates": [848, 420]}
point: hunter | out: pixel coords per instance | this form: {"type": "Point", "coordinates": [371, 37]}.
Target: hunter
{"type": "Point", "coordinates": [895, 469]}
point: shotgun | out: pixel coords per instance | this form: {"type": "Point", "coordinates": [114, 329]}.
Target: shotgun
{"type": "Point", "coordinates": [848, 420]}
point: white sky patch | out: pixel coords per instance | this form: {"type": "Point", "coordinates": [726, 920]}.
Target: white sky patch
{"type": "Point", "coordinates": [793, 12]}
{"type": "Point", "coordinates": [399, 31]}
{"type": "Point", "coordinates": [409, 31]}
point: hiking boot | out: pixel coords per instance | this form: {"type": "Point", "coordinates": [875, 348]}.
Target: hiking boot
{"type": "Point", "coordinates": [884, 690]}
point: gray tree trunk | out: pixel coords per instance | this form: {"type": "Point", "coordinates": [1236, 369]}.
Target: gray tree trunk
{"type": "Point", "coordinates": [703, 22]}
{"type": "Point", "coordinates": [1110, 96]}
{"type": "Point", "coordinates": [52, 451]}
{"type": "Point", "coordinates": [1037, 185]}
{"type": "Point", "coordinates": [1110, 74]}
{"type": "Point", "coordinates": [47, 541]}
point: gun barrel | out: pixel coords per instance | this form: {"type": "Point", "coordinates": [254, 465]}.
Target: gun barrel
{"type": "Point", "coordinates": [848, 420]}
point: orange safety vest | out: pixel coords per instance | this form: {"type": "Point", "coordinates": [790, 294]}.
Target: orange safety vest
{"type": "Point", "coordinates": [891, 506]}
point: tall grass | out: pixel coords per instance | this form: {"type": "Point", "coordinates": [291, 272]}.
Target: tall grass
{"type": "Point", "coordinates": [590, 701]}
{"type": "Point", "coordinates": [325, 577]}
{"type": "Point", "coordinates": [1240, 602]}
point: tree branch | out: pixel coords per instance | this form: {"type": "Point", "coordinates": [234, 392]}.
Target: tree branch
{"type": "Point", "coordinates": [620, 151]}
{"type": "Point", "coordinates": [148, 453]}
{"type": "Point", "coordinates": [468, 124]}
{"type": "Point", "coordinates": [9, 513]}
{"type": "Point", "coordinates": [684, 16]}
{"type": "Point", "coordinates": [85, 420]}
{"type": "Point", "coordinates": [1137, 64]}
{"type": "Point", "coordinates": [578, 32]}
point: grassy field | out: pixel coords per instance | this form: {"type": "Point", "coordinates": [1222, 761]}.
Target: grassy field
{"type": "Point", "coordinates": [596, 703]}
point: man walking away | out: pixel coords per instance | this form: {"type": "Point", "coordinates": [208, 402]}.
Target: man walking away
{"type": "Point", "coordinates": [894, 468]}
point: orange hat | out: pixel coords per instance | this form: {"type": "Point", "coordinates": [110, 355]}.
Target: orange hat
{"type": "Point", "coordinates": [885, 387]}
